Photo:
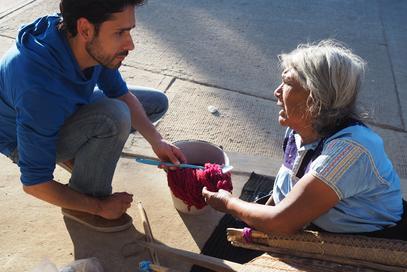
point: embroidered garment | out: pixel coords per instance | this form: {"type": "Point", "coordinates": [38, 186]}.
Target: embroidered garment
{"type": "Point", "coordinates": [354, 164]}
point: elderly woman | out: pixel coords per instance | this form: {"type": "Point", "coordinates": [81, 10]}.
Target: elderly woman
{"type": "Point", "coordinates": [335, 174]}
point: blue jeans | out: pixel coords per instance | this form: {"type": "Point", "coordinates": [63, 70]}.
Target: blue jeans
{"type": "Point", "coordinates": [94, 137]}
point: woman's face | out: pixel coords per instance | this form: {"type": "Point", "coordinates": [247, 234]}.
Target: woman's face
{"type": "Point", "coordinates": [292, 98]}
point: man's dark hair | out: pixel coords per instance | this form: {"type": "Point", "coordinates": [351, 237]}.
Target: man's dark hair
{"type": "Point", "coordinates": [95, 11]}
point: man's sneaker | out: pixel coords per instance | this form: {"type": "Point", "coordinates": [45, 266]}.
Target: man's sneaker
{"type": "Point", "coordinates": [99, 223]}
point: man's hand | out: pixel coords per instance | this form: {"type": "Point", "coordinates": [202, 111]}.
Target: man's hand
{"type": "Point", "coordinates": [219, 201]}
{"type": "Point", "coordinates": [139, 121]}
{"type": "Point", "coordinates": [168, 152]}
{"type": "Point", "coordinates": [115, 205]}
{"type": "Point", "coordinates": [58, 194]}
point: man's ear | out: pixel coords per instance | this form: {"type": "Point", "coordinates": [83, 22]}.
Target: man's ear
{"type": "Point", "coordinates": [86, 29]}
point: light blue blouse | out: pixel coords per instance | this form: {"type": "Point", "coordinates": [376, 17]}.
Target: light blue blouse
{"type": "Point", "coordinates": [354, 164]}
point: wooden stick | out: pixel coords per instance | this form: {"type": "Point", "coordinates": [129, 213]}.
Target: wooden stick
{"type": "Point", "coordinates": [158, 268]}
{"type": "Point", "coordinates": [148, 232]}
{"type": "Point", "coordinates": [209, 262]}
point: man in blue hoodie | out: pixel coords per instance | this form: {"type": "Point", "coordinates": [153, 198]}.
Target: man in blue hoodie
{"type": "Point", "coordinates": [63, 100]}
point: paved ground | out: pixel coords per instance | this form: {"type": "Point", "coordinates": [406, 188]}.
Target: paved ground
{"type": "Point", "coordinates": [202, 53]}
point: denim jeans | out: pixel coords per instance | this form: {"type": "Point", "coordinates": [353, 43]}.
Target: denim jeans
{"type": "Point", "coordinates": [95, 135]}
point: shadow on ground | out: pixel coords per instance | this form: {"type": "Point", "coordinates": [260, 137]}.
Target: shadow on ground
{"type": "Point", "coordinates": [110, 248]}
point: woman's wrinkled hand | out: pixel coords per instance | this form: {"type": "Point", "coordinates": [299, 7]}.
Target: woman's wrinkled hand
{"type": "Point", "coordinates": [219, 200]}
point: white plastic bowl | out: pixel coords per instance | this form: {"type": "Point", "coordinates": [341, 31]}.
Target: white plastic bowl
{"type": "Point", "coordinates": [199, 153]}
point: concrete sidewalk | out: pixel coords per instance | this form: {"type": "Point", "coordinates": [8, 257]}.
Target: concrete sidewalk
{"type": "Point", "coordinates": [202, 53]}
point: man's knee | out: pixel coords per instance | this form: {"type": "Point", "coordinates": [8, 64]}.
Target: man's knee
{"type": "Point", "coordinates": [120, 115]}
{"type": "Point", "coordinates": [116, 113]}
{"type": "Point", "coordinates": [154, 101]}
{"type": "Point", "coordinates": [163, 102]}
{"type": "Point", "coordinates": [160, 107]}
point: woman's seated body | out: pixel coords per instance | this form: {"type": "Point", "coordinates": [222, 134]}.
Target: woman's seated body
{"type": "Point", "coordinates": [335, 173]}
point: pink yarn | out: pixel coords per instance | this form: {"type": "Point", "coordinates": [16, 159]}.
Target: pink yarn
{"type": "Point", "coordinates": [186, 184]}
{"type": "Point", "coordinates": [247, 234]}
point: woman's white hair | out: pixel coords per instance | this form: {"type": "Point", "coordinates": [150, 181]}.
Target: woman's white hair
{"type": "Point", "coordinates": [333, 75]}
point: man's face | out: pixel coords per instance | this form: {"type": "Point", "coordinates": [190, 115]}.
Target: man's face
{"type": "Point", "coordinates": [113, 42]}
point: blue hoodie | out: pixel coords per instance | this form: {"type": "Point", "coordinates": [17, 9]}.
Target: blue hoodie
{"type": "Point", "coordinates": [41, 85]}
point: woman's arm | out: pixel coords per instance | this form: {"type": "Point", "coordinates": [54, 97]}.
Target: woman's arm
{"type": "Point", "coordinates": [309, 199]}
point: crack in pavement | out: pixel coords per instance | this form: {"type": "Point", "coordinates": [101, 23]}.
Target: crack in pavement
{"type": "Point", "coordinates": [9, 11]}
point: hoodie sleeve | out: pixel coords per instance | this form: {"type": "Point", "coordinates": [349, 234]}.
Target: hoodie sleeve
{"type": "Point", "coordinates": [111, 83]}
{"type": "Point", "coordinates": [38, 121]}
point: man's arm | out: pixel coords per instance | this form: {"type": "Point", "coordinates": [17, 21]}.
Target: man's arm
{"type": "Point", "coordinates": [139, 121]}
{"type": "Point", "coordinates": [111, 207]}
